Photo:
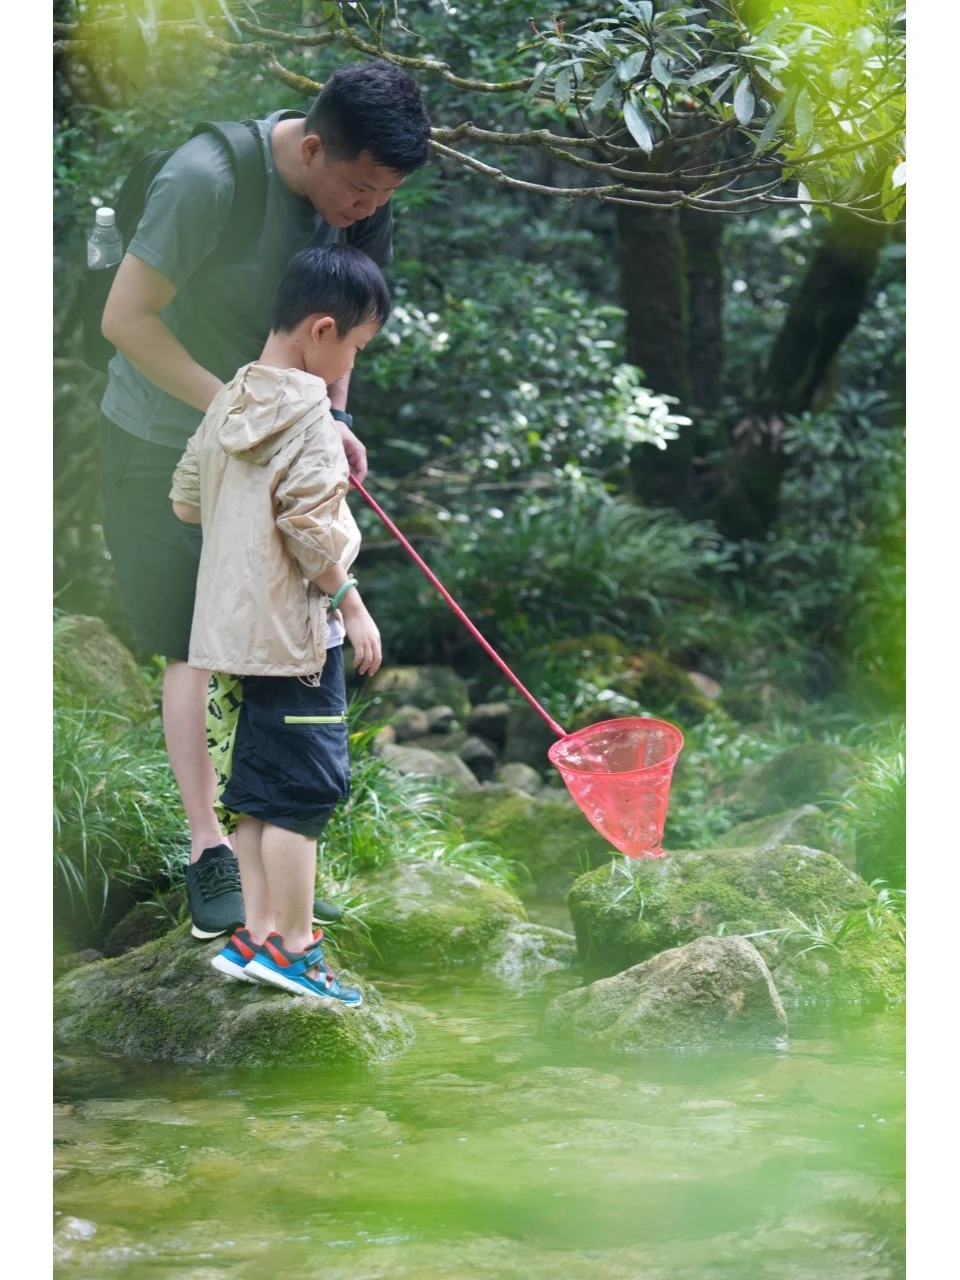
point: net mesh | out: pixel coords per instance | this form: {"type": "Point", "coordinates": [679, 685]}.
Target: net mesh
{"type": "Point", "coordinates": [619, 773]}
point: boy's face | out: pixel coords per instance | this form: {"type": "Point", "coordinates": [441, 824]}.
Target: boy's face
{"type": "Point", "coordinates": [326, 354]}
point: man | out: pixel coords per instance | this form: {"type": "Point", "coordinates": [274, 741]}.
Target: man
{"type": "Point", "coordinates": [330, 176]}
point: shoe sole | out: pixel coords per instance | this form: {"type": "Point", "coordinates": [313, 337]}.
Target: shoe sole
{"type": "Point", "coordinates": [261, 973]}
{"type": "Point", "coordinates": [205, 933]}
{"type": "Point", "coordinates": [225, 966]}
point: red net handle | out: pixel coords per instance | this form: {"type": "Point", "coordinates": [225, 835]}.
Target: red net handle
{"type": "Point", "coordinates": [455, 607]}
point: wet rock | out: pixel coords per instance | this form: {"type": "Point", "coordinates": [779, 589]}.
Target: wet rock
{"type": "Point", "coordinates": [520, 777]}
{"type": "Point", "coordinates": [713, 991]}
{"type": "Point", "coordinates": [422, 687]}
{"type": "Point", "coordinates": [489, 720]}
{"type": "Point", "coordinates": [528, 951]}
{"type": "Point", "coordinates": [806, 825]}
{"type": "Point", "coordinates": [442, 720]}
{"type": "Point", "coordinates": [409, 722]}
{"type": "Point", "coordinates": [147, 921]}
{"type": "Point", "coordinates": [480, 757]}
{"type": "Point", "coordinates": [91, 663]}
{"type": "Point", "coordinates": [431, 764]}
{"type": "Point", "coordinates": [551, 837]}
{"type": "Point", "coordinates": [628, 911]}
{"type": "Point", "coordinates": [164, 1001]}
{"type": "Point", "coordinates": [429, 915]}
{"type": "Point", "coordinates": [529, 738]}
{"type": "Point", "coordinates": [804, 774]}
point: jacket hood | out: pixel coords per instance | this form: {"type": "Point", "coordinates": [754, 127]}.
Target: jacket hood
{"type": "Point", "coordinates": [265, 406]}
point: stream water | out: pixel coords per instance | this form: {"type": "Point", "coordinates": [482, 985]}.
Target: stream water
{"type": "Point", "coordinates": [492, 1150]}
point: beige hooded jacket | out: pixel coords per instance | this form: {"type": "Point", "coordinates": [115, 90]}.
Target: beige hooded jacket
{"type": "Point", "coordinates": [267, 469]}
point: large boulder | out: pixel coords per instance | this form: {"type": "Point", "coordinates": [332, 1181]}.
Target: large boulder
{"type": "Point", "coordinates": [480, 757]}
{"type": "Point", "coordinates": [806, 825]}
{"type": "Point", "coordinates": [551, 837]}
{"type": "Point", "coordinates": [526, 952]}
{"type": "Point", "coordinates": [423, 687]}
{"type": "Point", "coordinates": [165, 1001]}
{"type": "Point", "coordinates": [426, 914]}
{"type": "Point", "coordinates": [804, 774]}
{"type": "Point", "coordinates": [783, 898]}
{"type": "Point", "coordinates": [708, 992]}
{"type": "Point", "coordinates": [430, 764]}
{"type": "Point", "coordinates": [90, 663]}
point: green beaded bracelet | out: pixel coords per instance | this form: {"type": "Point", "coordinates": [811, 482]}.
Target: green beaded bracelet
{"type": "Point", "coordinates": [335, 599]}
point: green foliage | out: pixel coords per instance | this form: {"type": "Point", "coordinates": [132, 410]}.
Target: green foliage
{"type": "Point", "coordinates": [873, 813]}
{"type": "Point", "coordinates": [116, 812]}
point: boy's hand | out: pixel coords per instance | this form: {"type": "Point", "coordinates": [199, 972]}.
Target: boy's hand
{"type": "Point", "coordinates": [355, 451]}
{"type": "Point", "coordinates": [362, 633]}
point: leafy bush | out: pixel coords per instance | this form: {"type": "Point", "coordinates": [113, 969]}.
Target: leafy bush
{"type": "Point", "coordinates": [873, 814]}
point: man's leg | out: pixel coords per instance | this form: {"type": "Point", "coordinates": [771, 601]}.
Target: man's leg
{"type": "Point", "coordinates": [185, 732]}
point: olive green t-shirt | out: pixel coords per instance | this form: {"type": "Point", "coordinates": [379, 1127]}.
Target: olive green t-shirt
{"type": "Point", "coordinates": [187, 207]}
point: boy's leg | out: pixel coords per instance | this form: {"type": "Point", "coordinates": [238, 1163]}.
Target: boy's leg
{"type": "Point", "coordinates": [290, 864]}
{"type": "Point", "coordinates": [261, 918]}
{"type": "Point", "coordinates": [185, 732]}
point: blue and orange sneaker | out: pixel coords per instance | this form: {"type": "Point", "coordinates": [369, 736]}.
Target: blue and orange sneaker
{"type": "Point", "coordinates": [234, 958]}
{"type": "Point", "coordinates": [290, 970]}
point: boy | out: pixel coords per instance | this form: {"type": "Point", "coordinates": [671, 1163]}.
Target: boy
{"type": "Point", "coordinates": [266, 475]}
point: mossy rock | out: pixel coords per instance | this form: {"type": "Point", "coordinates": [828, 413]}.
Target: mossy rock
{"type": "Point", "coordinates": [804, 774]}
{"type": "Point", "coordinates": [422, 687]}
{"type": "Point", "coordinates": [629, 911]}
{"type": "Point", "coordinates": [551, 838]}
{"type": "Point", "coordinates": [713, 991]}
{"type": "Point", "coordinates": [91, 664]}
{"type": "Point", "coordinates": [661, 686]}
{"type": "Point", "coordinates": [164, 1001]}
{"type": "Point", "coordinates": [147, 921]}
{"type": "Point", "coordinates": [595, 647]}
{"type": "Point", "coordinates": [806, 825]}
{"type": "Point", "coordinates": [428, 915]}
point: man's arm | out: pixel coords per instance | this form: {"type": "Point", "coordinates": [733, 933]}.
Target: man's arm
{"type": "Point", "coordinates": [131, 321]}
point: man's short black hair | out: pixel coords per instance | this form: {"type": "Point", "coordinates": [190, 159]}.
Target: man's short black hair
{"type": "Point", "coordinates": [372, 106]}
{"type": "Point", "coordinates": [339, 281]}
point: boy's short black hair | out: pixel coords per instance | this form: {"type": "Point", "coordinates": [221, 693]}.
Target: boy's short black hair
{"type": "Point", "coordinates": [372, 106]}
{"type": "Point", "coordinates": [338, 281]}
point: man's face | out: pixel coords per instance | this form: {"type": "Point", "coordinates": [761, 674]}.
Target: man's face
{"type": "Point", "coordinates": [344, 191]}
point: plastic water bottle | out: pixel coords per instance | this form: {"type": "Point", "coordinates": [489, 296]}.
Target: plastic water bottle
{"type": "Point", "coordinates": [104, 243]}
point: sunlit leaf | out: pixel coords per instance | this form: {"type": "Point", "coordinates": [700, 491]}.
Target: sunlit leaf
{"type": "Point", "coordinates": [803, 114]}
{"type": "Point", "coordinates": [744, 102]}
{"type": "Point", "coordinates": [660, 69]}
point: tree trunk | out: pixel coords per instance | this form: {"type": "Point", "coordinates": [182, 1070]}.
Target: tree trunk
{"type": "Point", "coordinates": [703, 245]}
{"type": "Point", "coordinates": [653, 282]}
{"type": "Point", "coordinates": [825, 308]}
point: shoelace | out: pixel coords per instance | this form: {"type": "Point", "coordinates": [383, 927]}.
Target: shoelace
{"type": "Point", "coordinates": [218, 878]}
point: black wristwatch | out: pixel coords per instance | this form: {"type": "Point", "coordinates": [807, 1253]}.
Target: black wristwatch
{"type": "Point", "coordinates": [341, 416]}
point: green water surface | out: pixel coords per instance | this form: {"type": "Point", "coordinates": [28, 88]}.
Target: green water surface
{"type": "Point", "coordinates": [493, 1150]}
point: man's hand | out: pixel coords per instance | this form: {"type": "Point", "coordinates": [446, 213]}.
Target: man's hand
{"type": "Point", "coordinates": [355, 451]}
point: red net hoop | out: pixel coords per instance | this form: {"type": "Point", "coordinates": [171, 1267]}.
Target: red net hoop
{"type": "Point", "coordinates": [619, 773]}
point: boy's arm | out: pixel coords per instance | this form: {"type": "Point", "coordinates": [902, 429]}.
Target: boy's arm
{"type": "Point", "coordinates": [185, 494]}
{"type": "Point", "coordinates": [309, 514]}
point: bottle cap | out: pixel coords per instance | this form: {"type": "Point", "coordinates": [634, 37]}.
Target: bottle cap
{"type": "Point", "coordinates": [106, 217]}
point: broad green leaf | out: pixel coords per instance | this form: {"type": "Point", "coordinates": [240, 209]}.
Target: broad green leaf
{"type": "Point", "coordinates": [803, 114]}
{"type": "Point", "coordinates": [632, 66]}
{"type": "Point", "coordinates": [538, 80]}
{"type": "Point", "coordinates": [642, 9]}
{"type": "Point", "coordinates": [638, 126]}
{"type": "Point", "coordinates": [899, 176]}
{"type": "Point", "coordinates": [744, 102]}
{"type": "Point", "coordinates": [721, 89]}
{"type": "Point", "coordinates": [706, 74]}
{"type": "Point", "coordinates": [804, 195]}
{"type": "Point", "coordinates": [773, 29]}
{"type": "Point", "coordinates": [772, 127]}
{"type": "Point", "coordinates": [603, 94]}
{"type": "Point", "coordinates": [660, 69]}
{"type": "Point", "coordinates": [840, 77]}
{"type": "Point", "coordinates": [562, 88]}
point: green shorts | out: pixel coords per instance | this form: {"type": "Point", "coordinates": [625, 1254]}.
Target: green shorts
{"type": "Point", "coordinates": [224, 699]}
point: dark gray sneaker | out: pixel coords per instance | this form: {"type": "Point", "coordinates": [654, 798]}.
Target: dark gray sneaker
{"type": "Point", "coordinates": [325, 912]}
{"type": "Point", "coordinates": [213, 891]}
